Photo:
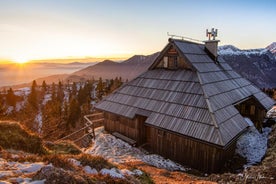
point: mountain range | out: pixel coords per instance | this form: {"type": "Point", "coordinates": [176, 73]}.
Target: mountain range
{"type": "Point", "coordinates": [257, 65]}
{"type": "Point", "coordinates": [272, 48]}
{"type": "Point", "coordinates": [108, 69]}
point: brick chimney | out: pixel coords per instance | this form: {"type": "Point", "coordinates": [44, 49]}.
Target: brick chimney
{"type": "Point", "coordinates": [211, 45]}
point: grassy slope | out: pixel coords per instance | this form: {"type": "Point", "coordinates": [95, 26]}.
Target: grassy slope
{"type": "Point", "coordinates": [15, 136]}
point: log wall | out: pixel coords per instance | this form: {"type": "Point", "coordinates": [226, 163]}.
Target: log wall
{"type": "Point", "coordinates": [182, 149]}
{"type": "Point", "coordinates": [252, 109]}
{"type": "Point", "coordinates": [187, 151]}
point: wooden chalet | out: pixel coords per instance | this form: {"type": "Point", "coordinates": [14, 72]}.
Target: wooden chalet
{"type": "Point", "coordinates": [189, 106]}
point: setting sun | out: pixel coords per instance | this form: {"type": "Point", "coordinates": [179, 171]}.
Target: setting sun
{"type": "Point", "coordinates": [20, 60]}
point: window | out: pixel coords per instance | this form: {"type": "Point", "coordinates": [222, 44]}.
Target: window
{"type": "Point", "coordinates": [165, 62]}
{"type": "Point", "coordinates": [173, 62]}
{"type": "Point", "coordinates": [252, 110]}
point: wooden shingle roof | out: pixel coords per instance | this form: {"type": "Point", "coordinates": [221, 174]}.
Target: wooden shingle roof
{"type": "Point", "coordinates": [197, 103]}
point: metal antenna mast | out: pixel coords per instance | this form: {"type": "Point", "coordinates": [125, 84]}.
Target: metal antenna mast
{"type": "Point", "coordinates": [213, 33]}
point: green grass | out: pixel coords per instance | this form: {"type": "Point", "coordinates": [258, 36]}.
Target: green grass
{"type": "Point", "coordinates": [15, 136]}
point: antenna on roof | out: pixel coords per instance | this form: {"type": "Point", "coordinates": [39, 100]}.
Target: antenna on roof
{"type": "Point", "coordinates": [213, 33]}
{"type": "Point", "coordinates": [182, 37]}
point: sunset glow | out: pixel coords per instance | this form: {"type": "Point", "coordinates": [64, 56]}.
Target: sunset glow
{"type": "Point", "coordinates": [20, 60]}
{"type": "Point", "coordinates": [78, 29]}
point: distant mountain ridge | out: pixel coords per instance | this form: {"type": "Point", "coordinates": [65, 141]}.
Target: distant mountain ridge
{"type": "Point", "coordinates": [257, 65]}
{"type": "Point", "coordinates": [108, 69]}
{"type": "Point", "coordinates": [272, 48]}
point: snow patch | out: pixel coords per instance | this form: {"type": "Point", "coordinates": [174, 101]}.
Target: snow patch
{"type": "Point", "coordinates": [88, 170]}
{"type": "Point", "coordinates": [29, 167]}
{"type": "Point", "coordinates": [252, 145]}
{"type": "Point", "coordinates": [38, 182]}
{"type": "Point", "coordinates": [74, 162]}
{"type": "Point", "coordinates": [231, 50]}
{"type": "Point", "coordinates": [19, 105]}
{"type": "Point", "coordinates": [127, 172]}
{"type": "Point", "coordinates": [47, 98]}
{"type": "Point", "coordinates": [4, 182]}
{"type": "Point", "coordinates": [38, 119]}
{"type": "Point", "coordinates": [9, 110]}
{"type": "Point", "coordinates": [271, 113]}
{"type": "Point", "coordinates": [117, 151]}
{"type": "Point", "coordinates": [22, 91]}
{"type": "Point", "coordinates": [160, 162]}
{"type": "Point", "coordinates": [113, 172]}
{"type": "Point", "coordinates": [14, 171]}
{"type": "Point", "coordinates": [137, 172]}
{"type": "Point", "coordinates": [6, 173]}
{"type": "Point", "coordinates": [249, 122]}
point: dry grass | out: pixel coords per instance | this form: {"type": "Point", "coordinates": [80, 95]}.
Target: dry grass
{"type": "Point", "coordinates": [60, 176]}
{"type": "Point", "coordinates": [152, 174]}
{"type": "Point", "coordinates": [19, 156]}
{"type": "Point", "coordinates": [60, 161]}
{"type": "Point", "coordinates": [108, 179]}
{"type": "Point", "coordinates": [96, 162]}
{"type": "Point", "coordinates": [63, 147]}
{"type": "Point", "coordinates": [15, 136]}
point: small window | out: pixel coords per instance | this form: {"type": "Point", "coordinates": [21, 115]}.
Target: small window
{"type": "Point", "coordinates": [165, 62]}
{"type": "Point", "coordinates": [252, 109]}
{"type": "Point", "coordinates": [175, 62]}
{"type": "Point", "coordinates": [172, 62]}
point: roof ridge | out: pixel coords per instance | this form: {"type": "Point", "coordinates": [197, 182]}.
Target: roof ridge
{"type": "Point", "coordinates": [186, 41]}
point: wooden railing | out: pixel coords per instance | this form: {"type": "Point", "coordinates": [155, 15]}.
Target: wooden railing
{"type": "Point", "coordinates": [91, 123]}
{"type": "Point", "coordinates": [91, 119]}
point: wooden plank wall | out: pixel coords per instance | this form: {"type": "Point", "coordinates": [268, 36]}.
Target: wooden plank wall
{"type": "Point", "coordinates": [252, 109]}
{"type": "Point", "coordinates": [186, 151]}
{"type": "Point", "coordinates": [125, 126]}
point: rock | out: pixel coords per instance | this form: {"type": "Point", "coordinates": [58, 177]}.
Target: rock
{"type": "Point", "coordinates": [115, 173]}
{"type": "Point", "coordinates": [88, 170]}
{"type": "Point", "coordinates": [57, 175]}
{"type": "Point", "coordinates": [137, 172]}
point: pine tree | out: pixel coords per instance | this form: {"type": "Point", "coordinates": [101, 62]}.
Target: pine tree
{"type": "Point", "coordinates": [11, 98]}
{"type": "Point", "coordinates": [54, 94]}
{"type": "Point", "coordinates": [100, 89]}
{"type": "Point", "coordinates": [74, 91]}
{"type": "Point", "coordinates": [44, 86]}
{"type": "Point", "coordinates": [60, 92]}
{"type": "Point", "coordinates": [33, 97]}
{"type": "Point", "coordinates": [2, 106]}
{"type": "Point", "coordinates": [74, 113]}
{"type": "Point", "coordinates": [65, 111]}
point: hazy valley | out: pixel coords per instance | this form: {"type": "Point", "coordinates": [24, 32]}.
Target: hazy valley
{"type": "Point", "coordinates": [257, 65]}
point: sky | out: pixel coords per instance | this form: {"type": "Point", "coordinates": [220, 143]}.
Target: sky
{"type": "Point", "coordinates": [46, 29]}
